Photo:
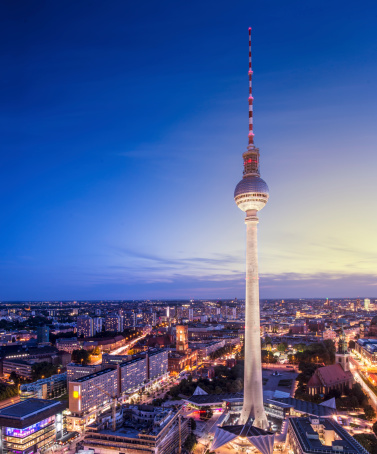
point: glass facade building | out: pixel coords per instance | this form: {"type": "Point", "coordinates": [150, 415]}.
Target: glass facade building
{"type": "Point", "coordinates": [30, 426]}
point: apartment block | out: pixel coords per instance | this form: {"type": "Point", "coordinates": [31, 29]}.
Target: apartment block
{"type": "Point", "coordinates": [75, 371]}
{"type": "Point", "coordinates": [93, 392]}
{"type": "Point", "coordinates": [157, 363]}
{"type": "Point", "coordinates": [133, 373]}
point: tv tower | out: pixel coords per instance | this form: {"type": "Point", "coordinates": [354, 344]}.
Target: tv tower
{"type": "Point", "coordinates": [251, 195]}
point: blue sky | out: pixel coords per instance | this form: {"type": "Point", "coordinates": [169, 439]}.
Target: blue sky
{"type": "Point", "coordinates": [122, 131]}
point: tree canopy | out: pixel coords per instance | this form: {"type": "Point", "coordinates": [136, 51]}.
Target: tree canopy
{"type": "Point", "coordinates": [80, 356]}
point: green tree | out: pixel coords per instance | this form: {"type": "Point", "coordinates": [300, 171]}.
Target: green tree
{"type": "Point", "coordinates": [282, 347]}
{"type": "Point", "coordinates": [190, 443]}
{"type": "Point", "coordinates": [193, 424]}
{"type": "Point", "coordinates": [42, 370]}
{"type": "Point", "coordinates": [375, 428]}
{"type": "Point", "coordinates": [80, 356]}
{"type": "Point", "coordinates": [370, 414]}
{"type": "Point", "coordinates": [15, 377]}
{"type": "Point", "coordinates": [368, 441]}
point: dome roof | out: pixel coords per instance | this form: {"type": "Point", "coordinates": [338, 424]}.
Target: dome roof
{"type": "Point", "coordinates": [251, 184]}
{"type": "Point", "coordinates": [251, 193]}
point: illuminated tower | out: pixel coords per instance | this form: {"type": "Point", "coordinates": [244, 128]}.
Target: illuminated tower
{"type": "Point", "coordinates": [251, 195]}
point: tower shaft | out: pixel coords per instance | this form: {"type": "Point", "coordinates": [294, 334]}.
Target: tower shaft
{"type": "Point", "coordinates": [253, 391]}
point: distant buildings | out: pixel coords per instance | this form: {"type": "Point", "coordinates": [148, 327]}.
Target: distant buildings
{"type": "Point", "coordinates": [367, 350]}
{"type": "Point", "coordinates": [68, 344]}
{"type": "Point", "coordinates": [113, 323]}
{"type": "Point", "coordinates": [85, 326]}
{"type": "Point", "coordinates": [43, 334]}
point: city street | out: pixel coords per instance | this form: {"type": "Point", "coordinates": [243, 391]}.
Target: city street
{"type": "Point", "coordinates": [10, 401]}
{"type": "Point", "coordinates": [355, 366]}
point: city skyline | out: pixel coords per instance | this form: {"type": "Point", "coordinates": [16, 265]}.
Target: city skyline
{"type": "Point", "coordinates": [122, 130]}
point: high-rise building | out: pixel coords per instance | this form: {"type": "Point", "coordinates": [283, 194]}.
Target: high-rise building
{"type": "Point", "coordinates": [366, 304]}
{"type": "Point", "coordinates": [93, 391]}
{"type": "Point", "coordinates": [133, 374]}
{"type": "Point", "coordinates": [191, 314]}
{"type": "Point", "coordinates": [157, 363]}
{"type": "Point", "coordinates": [43, 334]}
{"type": "Point", "coordinates": [97, 325]}
{"type": "Point", "coordinates": [84, 326]}
{"type": "Point", "coordinates": [251, 195]}
{"type": "Point", "coordinates": [112, 323]}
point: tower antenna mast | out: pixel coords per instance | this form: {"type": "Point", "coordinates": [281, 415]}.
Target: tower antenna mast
{"type": "Point", "coordinates": [251, 132]}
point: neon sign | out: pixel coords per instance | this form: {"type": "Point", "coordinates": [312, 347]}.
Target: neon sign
{"type": "Point", "coordinates": [22, 433]}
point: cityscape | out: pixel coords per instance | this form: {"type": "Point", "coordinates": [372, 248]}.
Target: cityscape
{"type": "Point", "coordinates": [138, 315]}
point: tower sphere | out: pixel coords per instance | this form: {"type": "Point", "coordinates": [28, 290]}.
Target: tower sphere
{"type": "Point", "coordinates": [251, 193]}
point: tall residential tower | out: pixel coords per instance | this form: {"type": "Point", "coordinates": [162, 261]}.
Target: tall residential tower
{"type": "Point", "coordinates": [251, 195]}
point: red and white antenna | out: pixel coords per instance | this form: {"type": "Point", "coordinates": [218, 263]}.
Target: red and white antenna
{"type": "Point", "coordinates": [251, 133]}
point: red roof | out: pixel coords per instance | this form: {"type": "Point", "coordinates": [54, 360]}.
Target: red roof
{"type": "Point", "coordinates": [333, 375]}
{"type": "Point", "coordinates": [314, 381]}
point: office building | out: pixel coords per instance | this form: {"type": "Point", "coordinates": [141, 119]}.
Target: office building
{"type": "Point", "coordinates": [367, 304]}
{"type": "Point", "coordinates": [21, 367]}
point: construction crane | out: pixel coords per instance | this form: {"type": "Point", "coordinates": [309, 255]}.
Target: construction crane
{"type": "Point", "coordinates": [114, 404]}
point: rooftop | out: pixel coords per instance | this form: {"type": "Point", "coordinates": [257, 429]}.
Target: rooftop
{"type": "Point", "coordinates": [94, 375]}
{"type": "Point", "coordinates": [309, 408]}
{"type": "Point", "coordinates": [26, 408]}
{"type": "Point", "coordinates": [311, 443]}
{"type": "Point", "coordinates": [28, 411]}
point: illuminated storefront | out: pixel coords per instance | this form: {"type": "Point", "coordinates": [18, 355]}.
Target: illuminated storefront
{"type": "Point", "coordinates": [30, 425]}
